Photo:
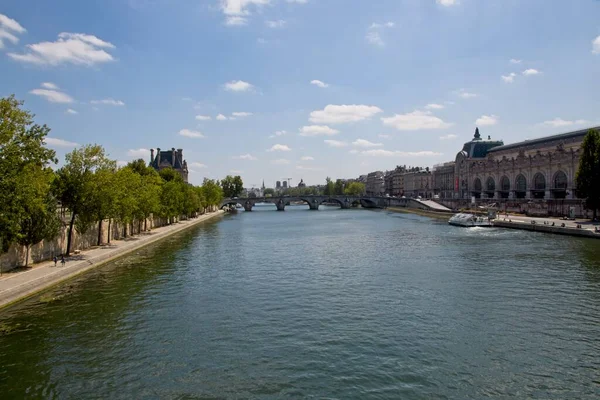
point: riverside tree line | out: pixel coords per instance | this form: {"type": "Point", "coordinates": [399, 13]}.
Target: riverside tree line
{"type": "Point", "coordinates": [89, 185]}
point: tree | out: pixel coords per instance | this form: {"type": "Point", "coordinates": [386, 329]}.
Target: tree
{"type": "Point", "coordinates": [213, 193]}
{"type": "Point", "coordinates": [148, 196]}
{"type": "Point", "coordinates": [329, 187]}
{"type": "Point", "coordinates": [23, 162]}
{"type": "Point", "coordinates": [41, 223]}
{"type": "Point", "coordinates": [269, 192]}
{"type": "Point", "coordinates": [338, 187]}
{"type": "Point", "coordinates": [355, 189]}
{"type": "Point", "coordinates": [169, 174]}
{"type": "Point", "coordinates": [588, 173]}
{"type": "Point", "coordinates": [74, 185]}
{"type": "Point", "coordinates": [232, 186]}
{"type": "Point", "coordinates": [140, 167]}
{"type": "Point", "coordinates": [103, 197]}
{"type": "Point", "coordinates": [127, 184]}
{"type": "Point", "coordinates": [171, 199]}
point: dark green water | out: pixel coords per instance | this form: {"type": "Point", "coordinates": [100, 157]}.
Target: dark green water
{"type": "Point", "coordinates": [336, 304]}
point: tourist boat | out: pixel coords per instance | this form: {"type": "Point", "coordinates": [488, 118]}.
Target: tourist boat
{"type": "Point", "coordinates": [469, 220]}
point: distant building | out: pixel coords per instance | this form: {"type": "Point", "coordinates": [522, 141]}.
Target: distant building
{"type": "Point", "coordinates": [443, 180]}
{"type": "Point", "coordinates": [375, 183]}
{"type": "Point", "coordinates": [278, 185]}
{"type": "Point", "coordinates": [169, 159]}
{"type": "Point", "coordinates": [302, 184]}
{"type": "Point", "coordinates": [284, 184]}
{"type": "Point", "coordinates": [418, 183]}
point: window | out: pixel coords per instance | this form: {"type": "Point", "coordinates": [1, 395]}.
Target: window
{"type": "Point", "coordinates": [505, 184]}
{"type": "Point", "coordinates": [521, 183]}
{"type": "Point", "coordinates": [490, 184]}
{"type": "Point", "coordinates": [560, 180]}
{"type": "Point", "coordinates": [539, 182]}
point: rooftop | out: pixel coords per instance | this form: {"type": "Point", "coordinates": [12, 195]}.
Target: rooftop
{"type": "Point", "coordinates": [568, 135]}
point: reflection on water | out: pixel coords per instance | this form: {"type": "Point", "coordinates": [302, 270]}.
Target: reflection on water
{"type": "Point", "coordinates": [328, 304]}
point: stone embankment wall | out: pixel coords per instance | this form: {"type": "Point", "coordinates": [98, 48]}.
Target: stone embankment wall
{"type": "Point", "coordinates": [47, 249]}
{"type": "Point", "coordinates": [532, 208]}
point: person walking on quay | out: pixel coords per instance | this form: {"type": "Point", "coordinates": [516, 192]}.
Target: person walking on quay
{"type": "Point", "coordinates": [62, 260]}
{"type": "Point", "coordinates": [55, 260]}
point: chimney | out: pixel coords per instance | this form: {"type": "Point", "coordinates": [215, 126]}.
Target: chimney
{"type": "Point", "coordinates": [158, 156]}
{"type": "Point", "coordinates": [151, 155]}
{"type": "Point", "coordinates": [173, 156]}
{"type": "Point", "coordinates": [180, 155]}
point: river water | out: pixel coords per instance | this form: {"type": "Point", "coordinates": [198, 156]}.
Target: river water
{"type": "Point", "coordinates": [336, 304]}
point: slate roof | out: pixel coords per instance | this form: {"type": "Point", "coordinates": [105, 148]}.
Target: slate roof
{"type": "Point", "coordinates": [569, 135]}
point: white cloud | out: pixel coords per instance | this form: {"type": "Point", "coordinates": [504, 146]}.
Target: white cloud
{"type": "Point", "coordinates": [221, 117]}
{"type": "Point", "coordinates": [462, 93]}
{"type": "Point", "coordinates": [335, 143]}
{"type": "Point", "coordinates": [49, 85]}
{"type": "Point", "coordinates": [278, 133]}
{"type": "Point", "coordinates": [236, 20]}
{"type": "Point", "coordinates": [375, 31]}
{"type": "Point", "coordinates": [450, 136]}
{"type": "Point", "coordinates": [236, 171]}
{"type": "Point", "coordinates": [55, 142]}
{"type": "Point", "coordinates": [279, 147]}
{"type": "Point", "coordinates": [53, 96]}
{"type": "Point", "coordinates": [281, 161]}
{"type": "Point", "coordinates": [191, 134]}
{"type": "Point", "coordinates": [596, 45]}
{"type": "Point", "coordinates": [297, 1]}
{"type": "Point", "coordinates": [238, 86]}
{"type": "Point", "coordinates": [515, 61]}
{"type": "Point", "coordinates": [365, 143]}
{"type": "Point", "coordinates": [354, 151]}
{"type": "Point", "coordinates": [559, 122]}
{"type": "Point", "coordinates": [71, 111]}
{"type": "Point", "coordinates": [416, 120]}
{"type": "Point", "coordinates": [307, 158]}
{"type": "Point", "coordinates": [339, 114]}
{"type": "Point", "coordinates": [275, 24]}
{"type": "Point", "coordinates": [197, 165]}
{"type": "Point", "coordinates": [319, 83]}
{"type": "Point", "coordinates": [447, 3]}
{"type": "Point", "coordinates": [531, 71]}
{"type": "Point", "coordinates": [247, 157]}
{"type": "Point", "coordinates": [486, 120]}
{"type": "Point", "coordinates": [382, 136]}
{"type": "Point", "coordinates": [203, 117]}
{"type": "Point", "coordinates": [388, 153]}
{"type": "Point", "coordinates": [241, 114]}
{"type": "Point", "coordinates": [108, 102]}
{"type": "Point", "coordinates": [318, 130]}
{"type": "Point", "coordinates": [509, 78]}
{"type": "Point", "coordinates": [70, 48]}
{"type": "Point", "coordinates": [8, 28]}
{"type": "Point", "coordinates": [434, 106]}
{"type": "Point", "coordinates": [138, 153]}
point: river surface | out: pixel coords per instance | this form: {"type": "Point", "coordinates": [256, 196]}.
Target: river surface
{"type": "Point", "coordinates": [335, 304]}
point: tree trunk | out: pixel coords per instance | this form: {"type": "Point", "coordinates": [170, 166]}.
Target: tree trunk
{"type": "Point", "coordinates": [145, 224]}
{"type": "Point", "coordinates": [109, 230]}
{"type": "Point", "coordinates": [27, 255]}
{"type": "Point", "coordinates": [124, 230]}
{"type": "Point", "coordinates": [100, 232]}
{"type": "Point", "coordinates": [70, 233]}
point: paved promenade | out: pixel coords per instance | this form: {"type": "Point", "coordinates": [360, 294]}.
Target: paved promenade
{"type": "Point", "coordinates": [15, 286]}
{"type": "Point", "coordinates": [578, 227]}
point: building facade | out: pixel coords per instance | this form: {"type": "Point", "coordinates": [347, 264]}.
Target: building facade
{"type": "Point", "coordinates": [418, 184]}
{"type": "Point", "coordinates": [443, 180]}
{"type": "Point", "coordinates": [375, 183]}
{"type": "Point", "coordinates": [169, 159]}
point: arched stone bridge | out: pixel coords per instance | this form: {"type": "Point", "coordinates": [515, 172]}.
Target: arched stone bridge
{"type": "Point", "coordinates": [344, 201]}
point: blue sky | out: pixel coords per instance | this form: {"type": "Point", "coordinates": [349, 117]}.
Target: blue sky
{"type": "Point", "coordinates": [319, 87]}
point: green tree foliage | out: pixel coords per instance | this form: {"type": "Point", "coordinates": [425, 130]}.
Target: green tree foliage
{"type": "Point", "coordinates": [148, 196]}
{"type": "Point", "coordinates": [232, 186]}
{"type": "Point", "coordinates": [339, 187]}
{"type": "Point", "coordinates": [140, 167]}
{"type": "Point", "coordinates": [269, 192]}
{"type": "Point", "coordinates": [355, 189]}
{"type": "Point", "coordinates": [169, 174]}
{"type": "Point", "coordinates": [213, 193]}
{"type": "Point", "coordinates": [103, 196]}
{"type": "Point", "coordinates": [171, 199]}
{"type": "Point", "coordinates": [40, 223]}
{"type": "Point", "coordinates": [588, 173]}
{"type": "Point", "coordinates": [329, 187]}
{"type": "Point", "coordinates": [74, 185]}
{"type": "Point", "coordinates": [23, 169]}
{"type": "Point", "coordinates": [127, 186]}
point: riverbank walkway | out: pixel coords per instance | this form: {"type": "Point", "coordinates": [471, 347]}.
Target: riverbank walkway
{"type": "Point", "coordinates": [19, 284]}
{"type": "Point", "coordinates": [577, 227]}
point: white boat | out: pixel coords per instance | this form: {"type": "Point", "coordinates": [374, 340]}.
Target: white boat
{"type": "Point", "coordinates": [469, 220]}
